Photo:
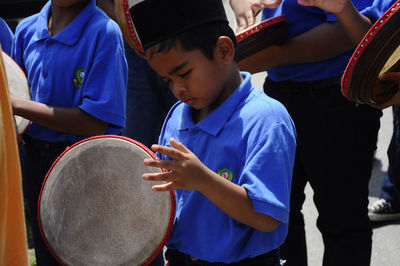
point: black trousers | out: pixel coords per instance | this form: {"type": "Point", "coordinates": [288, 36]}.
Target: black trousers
{"type": "Point", "coordinates": [37, 158]}
{"type": "Point", "coordinates": [176, 258]}
{"type": "Point", "coordinates": [336, 140]}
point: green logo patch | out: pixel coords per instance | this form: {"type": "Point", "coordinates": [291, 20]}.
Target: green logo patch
{"type": "Point", "coordinates": [225, 173]}
{"type": "Point", "coordinates": [79, 75]}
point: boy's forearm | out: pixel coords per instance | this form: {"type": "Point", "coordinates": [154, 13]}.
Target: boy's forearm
{"type": "Point", "coordinates": [354, 23]}
{"type": "Point", "coordinates": [67, 120]}
{"type": "Point", "coordinates": [234, 201]}
{"type": "Point", "coordinates": [320, 43]}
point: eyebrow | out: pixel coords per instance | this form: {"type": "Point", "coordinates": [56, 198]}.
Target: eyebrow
{"type": "Point", "coordinates": [177, 68]}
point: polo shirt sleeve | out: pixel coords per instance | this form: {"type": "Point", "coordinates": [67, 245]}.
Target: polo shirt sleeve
{"type": "Point", "coordinates": [6, 37]}
{"type": "Point", "coordinates": [104, 88]}
{"type": "Point", "coordinates": [267, 173]}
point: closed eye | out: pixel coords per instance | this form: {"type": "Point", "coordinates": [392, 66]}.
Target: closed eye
{"type": "Point", "coordinates": [185, 74]}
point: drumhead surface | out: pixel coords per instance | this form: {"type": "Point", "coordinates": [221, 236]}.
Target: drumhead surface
{"type": "Point", "coordinates": [376, 54]}
{"type": "Point", "coordinates": [18, 85]}
{"type": "Point", "coordinates": [95, 208]}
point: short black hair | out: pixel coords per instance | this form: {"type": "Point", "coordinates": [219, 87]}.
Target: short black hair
{"type": "Point", "coordinates": [203, 38]}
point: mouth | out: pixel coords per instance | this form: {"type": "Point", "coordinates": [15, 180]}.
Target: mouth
{"type": "Point", "coordinates": [188, 101]}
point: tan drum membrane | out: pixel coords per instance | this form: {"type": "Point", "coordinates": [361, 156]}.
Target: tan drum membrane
{"type": "Point", "coordinates": [95, 208]}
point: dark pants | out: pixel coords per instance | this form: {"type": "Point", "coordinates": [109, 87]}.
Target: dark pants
{"type": "Point", "coordinates": [37, 158]}
{"type": "Point", "coordinates": [391, 188]}
{"type": "Point", "coordinates": [336, 140]}
{"type": "Point", "coordinates": [176, 258]}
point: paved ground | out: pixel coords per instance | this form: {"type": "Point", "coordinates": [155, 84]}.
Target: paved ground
{"type": "Point", "coordinates": [386, 237]}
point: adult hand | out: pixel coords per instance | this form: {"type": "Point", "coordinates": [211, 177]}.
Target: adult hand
{"type": "Point", "coordinates": [185, 171]}
{"type": "Point", "coordinates": [247, 10]}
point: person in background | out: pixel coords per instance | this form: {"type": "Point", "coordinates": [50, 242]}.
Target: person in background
{"type": "Point", "coordinates": [336, 138]}
{"type": "Point", "coordinates": [73, 56]}
{"type": "Point", "coordinates": [356, 24]}
{"type": "Point", "coordinates": [148, 97]}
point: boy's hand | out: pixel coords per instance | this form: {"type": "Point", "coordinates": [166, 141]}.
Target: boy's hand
{"type": "Point", "coordinates": [186, 171]}
{"type": "Point", "coordinates": [246, 11]}
{"type": "Point", "coordinates": [333, 6]}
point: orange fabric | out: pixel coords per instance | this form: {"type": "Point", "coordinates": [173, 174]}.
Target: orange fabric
{"type": "Point", "coordinates": [13, 243]}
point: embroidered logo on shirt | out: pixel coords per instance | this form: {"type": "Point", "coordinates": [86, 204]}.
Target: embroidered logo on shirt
{"type": "Point", "coordinates": [225, 173]}
{"type": "Point", "coordinates": [79, 75]}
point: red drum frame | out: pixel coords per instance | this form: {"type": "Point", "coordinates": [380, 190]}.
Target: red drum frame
{"type": "Point", "coordinates": [263, 34]}
{"type": "Point", "coordinates": [377, 53]}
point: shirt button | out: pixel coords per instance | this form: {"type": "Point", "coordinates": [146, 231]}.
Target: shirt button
{"type": "Point", "coordinates": [195, 131]}
{"type": "Point", "coordinates": [45, 74]}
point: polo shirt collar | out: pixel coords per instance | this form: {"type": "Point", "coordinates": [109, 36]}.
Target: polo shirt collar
{"type": "Point", "coordinates": [71, 34]}
{"type": "Point", "coordinates": [215, 121]}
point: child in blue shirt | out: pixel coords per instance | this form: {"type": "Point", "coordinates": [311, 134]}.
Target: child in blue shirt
{"type": "Point", "coordinates": [73, 56]}
{"type": "Point", "coordinates": [228, 147]}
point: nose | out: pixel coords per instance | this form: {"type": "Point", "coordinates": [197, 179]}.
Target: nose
{"type": "Point", "coordinates": [177, 87]}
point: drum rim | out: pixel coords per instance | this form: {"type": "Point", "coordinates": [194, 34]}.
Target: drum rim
{"type": "Point", "coordinates": [362, 46]}
{"type": "Point", "coordinates": [147, 150]}
{"type": "Point", "coordinates": [259, 26]}
{"type": "Point", "coordinates": [25, 122]}
{"type": "Point", "coordinates": [127, 26]}
{"type": "Point", "coordinates": [4, 53]}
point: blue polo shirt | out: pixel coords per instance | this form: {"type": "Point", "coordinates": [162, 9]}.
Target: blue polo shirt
{"type": "Point", "coordinates": [302, 19]}
{"type": "Point", "coordinates": [82, 66]}
{"type": "Point", "coordinates": [6, 37]}
{"type": "Point", "coordinates": [250, 140]}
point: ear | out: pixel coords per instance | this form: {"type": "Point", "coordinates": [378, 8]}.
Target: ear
{"type": "Point", "coordinates": [225, 50]}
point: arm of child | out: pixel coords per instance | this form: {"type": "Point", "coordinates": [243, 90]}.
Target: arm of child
{"type": "Point", "coordinates": [68, 120]}
{"type": "Point", "coordinates": [319, 43]}
{"type": "Point", "coordinates": [354, 23]}
{"type": "Point", "coordinates": [186, 171]}
{"type": "Point", "coordinates": [246, 11]}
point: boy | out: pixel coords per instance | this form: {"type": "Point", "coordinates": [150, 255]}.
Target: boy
{"type": "Point", "coordinates": [336, 138]}
{"type": "Point", "coordinates": [228, 147]}
{"type": "Point", "coordinates": [73, 55]}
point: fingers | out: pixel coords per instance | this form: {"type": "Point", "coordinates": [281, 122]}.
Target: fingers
{"type": "Point", "coordinates": [241, 24]}
{"type": "Point", "coordinates": [162, 164]}
{"type": "Point", "coordinates": [270, 3]}
{"type": "Point", "coordinates": [246, 20]}
{"type": "Point", "coordinates": [179, 146]}
{"type": "Point", "coordinates": [171, 152]}
{"type": "Point", "coordinates": [170, 186]}
{"type": "Point", "coordinates": [306, 2]}
{"type": "Point", "coordinates": [165, 176]}
{"type": "Point", "coordinates": [390, 76]}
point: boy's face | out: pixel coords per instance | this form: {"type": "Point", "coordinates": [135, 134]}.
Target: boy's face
{"type": "Point", "coordinates": [193, 78]}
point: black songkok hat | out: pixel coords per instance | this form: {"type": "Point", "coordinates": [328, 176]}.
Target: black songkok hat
{"type": "Point", "coordinates": [158, 20]}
